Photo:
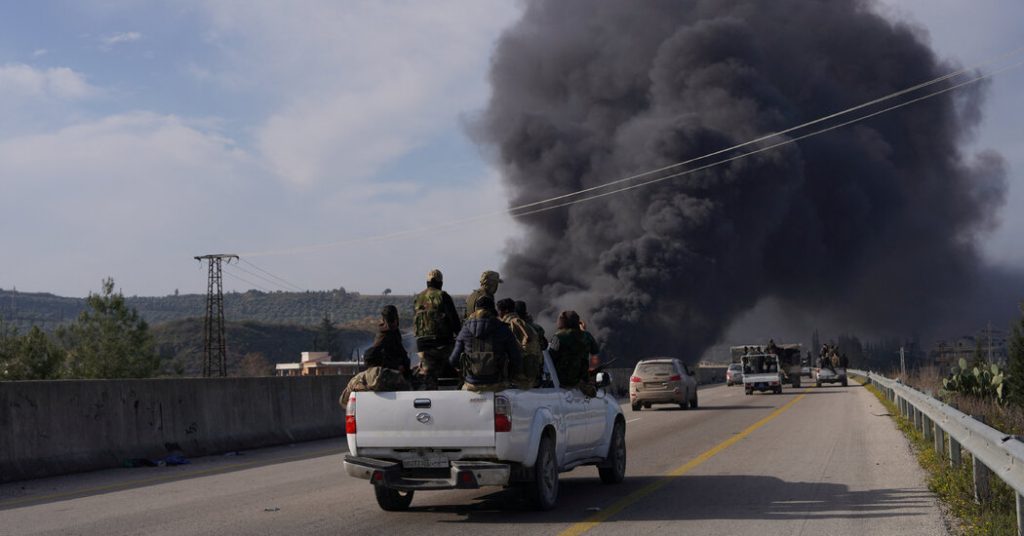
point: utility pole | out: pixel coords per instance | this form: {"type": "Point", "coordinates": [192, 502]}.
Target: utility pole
{"type": "Point", "coordinates": [903, 364]}
{"type": "Point", "coordinates": [990, 343]}
{"type": "Point", "coordinates": [213, 328]}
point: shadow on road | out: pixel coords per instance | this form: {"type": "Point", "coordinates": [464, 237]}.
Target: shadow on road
{"type": "Point", "coordinates": [694, 498]}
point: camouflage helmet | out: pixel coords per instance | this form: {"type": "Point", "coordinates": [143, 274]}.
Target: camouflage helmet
{"type": "Point", "coordinates": [490, 276]}
{"type": "Point", "coordinates": [435, 275]}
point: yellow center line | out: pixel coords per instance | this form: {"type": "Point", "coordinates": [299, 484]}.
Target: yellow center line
{"type": "Point", "coordinates": [632, 498]}
{"type": "Point", "coordinates": [120, 486]}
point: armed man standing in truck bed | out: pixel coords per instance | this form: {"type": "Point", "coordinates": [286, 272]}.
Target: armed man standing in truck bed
{"type": "Point", "coordinates": [436, 323]}
{"type": "Point", "coordinates": [489, 281]}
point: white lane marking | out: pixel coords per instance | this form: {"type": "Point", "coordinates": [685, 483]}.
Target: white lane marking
{"type": "Point", "coordinates": [634, 420]}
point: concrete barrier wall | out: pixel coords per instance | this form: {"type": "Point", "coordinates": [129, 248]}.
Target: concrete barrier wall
{"type": "Point", "coordinates": [57, 427]}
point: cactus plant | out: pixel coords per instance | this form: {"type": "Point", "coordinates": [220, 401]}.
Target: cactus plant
{"type": "Point", "coordinates": [982, 382]}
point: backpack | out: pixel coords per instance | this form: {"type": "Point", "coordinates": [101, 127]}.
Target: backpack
{"type": "Point", "coordinates": [482, 363]}
{"type": "Point", "coordinates": [429, 321]}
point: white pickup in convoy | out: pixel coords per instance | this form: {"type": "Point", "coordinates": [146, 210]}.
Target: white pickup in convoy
{"type": "Point", "coordinates": [407, 441]}
{"type": "Point", "coordinates": [830, 375]}
{"type": "Point", "coordinates": [761, 373]}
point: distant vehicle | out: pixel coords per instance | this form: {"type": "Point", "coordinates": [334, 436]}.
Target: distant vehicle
{"type": "Point", "coordinates": [789, 356]}
{"type": "Point", "coordinates": [830, 375]}
{"type": "Point", "coordinates": [662, 381]}
{"type": "Point", "coordinates": [761, 373]}
{"type": "Point", "coordinates": [734, 374]}
{"type": "Point", "coordinates": [407, 441]}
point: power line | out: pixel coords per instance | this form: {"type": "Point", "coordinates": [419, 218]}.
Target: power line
{"type": "Point", "coordinates": [281, 279]}
{"type": "Point", "coordinates": [769, 147]}
{"type": "Point", "coordinates": [263, 278]}
{"type": "Point", "coordinates": [246, 281]}
{"type": "Point", "coordinates": [518, 211]}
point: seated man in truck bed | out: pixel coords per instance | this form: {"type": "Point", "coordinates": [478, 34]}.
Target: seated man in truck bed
{"type": "Point", "coordinates": [486, 353]}
{"type": "Point", "coordinates": [386, 360]}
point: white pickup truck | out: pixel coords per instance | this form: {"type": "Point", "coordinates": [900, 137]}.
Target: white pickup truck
{"type": "Point", "coordinates": [761, 373]}
{"type": "Point", "coordinates": [434, 440]}
{"type": "Point", "coordinates": [830, 375]}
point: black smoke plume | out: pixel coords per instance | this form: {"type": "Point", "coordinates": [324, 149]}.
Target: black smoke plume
{"type": "Point", "coordinates": [874, 224]}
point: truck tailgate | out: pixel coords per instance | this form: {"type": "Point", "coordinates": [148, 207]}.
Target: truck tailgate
{"type": "Point", "coordinates": [424, 419]}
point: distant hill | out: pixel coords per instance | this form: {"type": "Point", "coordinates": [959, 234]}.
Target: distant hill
{"type": "Point", "coordinates": [48, 311]}
{"type": "Point", "coordinates": [180, 343]}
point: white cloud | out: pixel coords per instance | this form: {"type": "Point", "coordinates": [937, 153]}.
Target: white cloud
{"type": "Point", "coordinates": [118, 38]}
{"type": "Point", "coordinates": [358, 83]}
{"type": "Point", "coordinates": [39, 52]}
{"type": "Point", "coordinates": [129, 190]}
{"type": "Point", "coordinates": [21, 80]}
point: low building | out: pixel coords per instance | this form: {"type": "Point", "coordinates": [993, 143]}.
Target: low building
{"type": "Point", "coordinates": [317, 364]}
{"type": "Point", "coordinates": [990, 342]}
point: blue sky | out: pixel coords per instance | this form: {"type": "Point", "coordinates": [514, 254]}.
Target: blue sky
{"type": "Point", "coordinates": [135, 135]}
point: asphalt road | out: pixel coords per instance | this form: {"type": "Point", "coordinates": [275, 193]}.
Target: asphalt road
{"type": "Point", "coordinates": [810, 461]}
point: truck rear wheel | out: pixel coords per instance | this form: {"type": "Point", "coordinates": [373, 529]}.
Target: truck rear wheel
{"type": "Point", "coordinates": [392, 500]}
{"type": "Point", "coordinates": [796, 381]}
{"type": "Point", "coordinates": [544, 488]}
{"type": "Point", "coordinates": [616, 470]}
{"type": "Point", "coordinates": [844, 382]}
{"type": "Point", "coordinates": [635, 406]}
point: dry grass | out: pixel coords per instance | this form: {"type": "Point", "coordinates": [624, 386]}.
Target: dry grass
{"type": "Point", "coordinates": [1006, 419]}
{"type": "Point", "coordinates": [954, 485]}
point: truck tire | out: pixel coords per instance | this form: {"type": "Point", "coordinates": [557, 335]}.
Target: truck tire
{"type": "Point", "coordinates": [748, 391]}
{"type": "Point", "coordinates": [544, 488]}
{"type": "Point", "coordinates": [796, 381]}
{"type": "Point", "coordinates": [635, 406]}
{"type": "Point", "coordinates": [693, 401]}
{"type": "Point", "coordinates": [616, 470]}
{"type": "Point", "coordinates": [844, 382]}
{"type": "Point", "coordinates": [392, 500]}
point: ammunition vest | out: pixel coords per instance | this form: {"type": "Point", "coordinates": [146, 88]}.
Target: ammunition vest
{"type": "Point", "coordinates": [482, 363]}
{"type": "Point", "coordinates": [429, 320]}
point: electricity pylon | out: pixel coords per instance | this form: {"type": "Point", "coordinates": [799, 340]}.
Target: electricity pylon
{"type": "Point", "coordinates": [213, 327]}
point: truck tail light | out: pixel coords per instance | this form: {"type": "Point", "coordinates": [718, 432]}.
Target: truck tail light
{"type": "Point", "coordinates": [675, 378]}
{"type": "Point", "coordinates": [502, 414]}
{"type": "Point", "coordinates": [350, 424]}
{"type": "Point", "coordinates": [635, 379]}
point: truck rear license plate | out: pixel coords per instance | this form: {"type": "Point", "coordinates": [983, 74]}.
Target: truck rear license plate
{"type": "Point", "coordinates": [760, 384]}
{"type": "Point", "coordinates": [435, 461]}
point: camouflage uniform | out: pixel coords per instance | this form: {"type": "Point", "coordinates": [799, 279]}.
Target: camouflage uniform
{"type": "Point", "coordinates": [529, 343]}
{"type": "Point", "coordinates": [436, 323]}
{"type": "Point", "coordinates": [489, 281]}
{"type": "Point", "coordinates": [374, 379]}
{"type": "Point", "coordinates": [570, 350]}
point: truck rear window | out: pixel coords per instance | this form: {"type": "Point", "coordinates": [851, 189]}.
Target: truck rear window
{"type": "Point", "coordinates": [655, 369]}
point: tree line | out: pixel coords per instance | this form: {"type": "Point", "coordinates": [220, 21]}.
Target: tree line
{"type": "Point", "coordinates": [107, 340]}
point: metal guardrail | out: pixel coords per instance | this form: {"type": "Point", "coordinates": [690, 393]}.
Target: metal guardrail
{"type": "Point", "coordinates": [992, 451]}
